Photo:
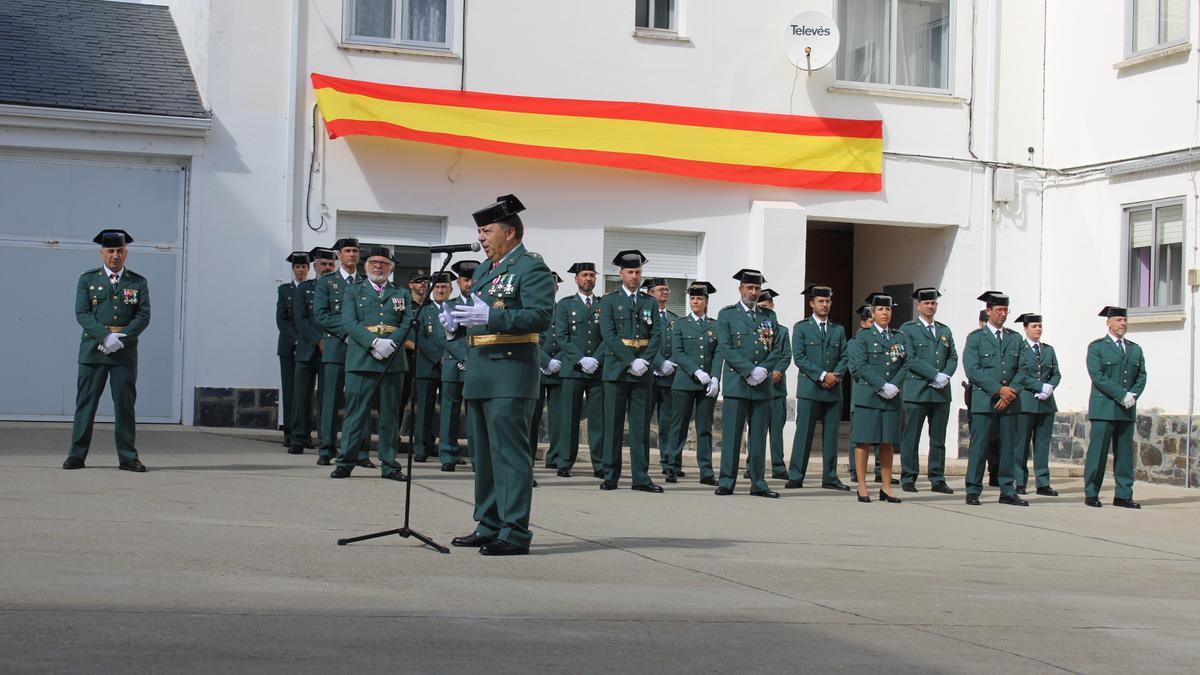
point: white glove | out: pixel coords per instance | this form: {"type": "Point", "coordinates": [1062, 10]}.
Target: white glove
{"type": "Point", "coordinates": [756, 376]}
{"type": "Point", "coordinates": [383, 347]}
{"type": "Point", "coordinates": [1129, 400]}
{"type": "Point", "coordinates": [940, 381]}
{"type": "Point", "coordinates": [475, 314]}
{"type": "Point", "coordinates": [667, 367]}
{"type": "Point", "coordinates": [553, 366]}
{"type": "Point", "coordinates": [889, 390]}
{"type": "Point", "coordinates": [714, 385]}
{"type": "Point", "coordinates": [1047, 389]}
{"type": "Point", "coordinates": [449, 323]}
{"type": "Point", "coordinates": [702, 377]}
{"type": "Point", "coordinates": [112, 342]}
{"type": "Point", "coordinates": [376, 355]}
{"type": "Point", "coordinates": [639, 367]}
{"type": "Point", "coordinates": [588, 364]}
{"type": "Point", "coordinates": [1041, 396]}
{"type": "Point", "coordinates": [101, 349]}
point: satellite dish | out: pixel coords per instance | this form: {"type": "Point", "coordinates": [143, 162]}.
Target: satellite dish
{"type": "Point", "coordinates": [810, 40]}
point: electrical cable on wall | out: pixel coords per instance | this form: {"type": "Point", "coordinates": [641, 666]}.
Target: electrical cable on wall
{"type": "Point", "coordinates": [312, 170]}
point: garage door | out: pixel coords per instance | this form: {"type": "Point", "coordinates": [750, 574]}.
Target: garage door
{"type": "Point", "coordinates": [52, 207]}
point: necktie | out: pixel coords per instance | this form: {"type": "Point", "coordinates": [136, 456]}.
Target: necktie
{"type": "Point", "coordinates": [113, 278]}
{"type": "Point", "coordinates": [1121, 344]}
{"type": "Point", "coordinates": [932, 333]}
{"type": "Point", "coordinates": [1037, 350]}
{"type": "Point", "coordinates": [823, 331]}
{"type": "Point", "coordinates": [999, 337]}
{"type": "Point", "coordinates": [350, 279]}
{"type": "Point", "coordinates": [587, 302]}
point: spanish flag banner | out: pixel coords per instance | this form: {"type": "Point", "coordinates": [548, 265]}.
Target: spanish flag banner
{"type": "Point", "coordinates": [819, 153]}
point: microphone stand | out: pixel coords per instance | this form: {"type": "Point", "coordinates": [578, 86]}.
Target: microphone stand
{"type": "Point", "coordinates": [404, 530]}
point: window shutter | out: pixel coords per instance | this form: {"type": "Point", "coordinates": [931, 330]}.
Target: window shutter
{"type": "Point", "coordinates": [1141, 228]}
{"type": "Point", "coordinates": [1170, 224]}
{"type": "Point", "coordinates": [391, 228]}
{"type": "Point", "coordinates": [670, 254]}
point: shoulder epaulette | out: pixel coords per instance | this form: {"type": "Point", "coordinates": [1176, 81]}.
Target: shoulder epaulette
{"type": "Point", "coordinates": [1099, 339]}
{"type": "Point", "coordinates": [91, 271]}
{"type": "Point", "coordinates": [977, 330]}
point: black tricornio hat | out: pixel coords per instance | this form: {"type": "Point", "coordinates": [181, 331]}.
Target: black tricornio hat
{"type": "Point", "coordinates": [417, 275]}
{"type": "Point", "coordinates": [927, 293]}
{"type": "Point", "coordinates": [298, 258]}
{"type": "Point", "coordinates": [346, 242]}
{"type": "Point", "coordinates": [767, 294]}
{"type": "Point", "coordinates": [748, 276]}
{"type": "Point", "coordinates": [863, 312]}
{"type": "Point", "coordinates": [994, 299]}
{"type": "Point", "coordinates": [983, 317]}
{"type": "Point", "coordinates": [581, 267]}
{"type": "Point", "coordinates": [879, 300]}
{"type": "Point", "coordinates": [1110, 311]}
{"type": "Point", "coordinates": [505, 206]}
{"type": "Point", "coordinates": [818, 292]}
{"type": "Point", "coordinates": [319, 253]}
{"type": "Point", "coordinates": [465, 268]}
{"type": "Point", "coordinates": [652, 282]}
{"type": "Point", "coordinates": [1028, 318]}
{"type": "Point", "coordinates": [557, 279]}
{"type": "Point", "coordinates": [376, 252]}
{"type": "Point", "coordinates": [112, 238]}
{"type": "Point", "coordinates": [444, 277]}
{"type": "Point", "coordinates": [630, 259]}
{"type": "Point", "coordinates": [701, 288]}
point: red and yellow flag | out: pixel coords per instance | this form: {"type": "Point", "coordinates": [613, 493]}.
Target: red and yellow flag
{"type": "Point", "coordinates": [819, 153]}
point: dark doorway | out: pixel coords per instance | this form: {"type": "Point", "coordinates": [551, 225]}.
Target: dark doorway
{"type": "Point", "coordinates": [829, 261]}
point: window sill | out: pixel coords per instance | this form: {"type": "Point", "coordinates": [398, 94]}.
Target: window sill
{"type": "Point", "coordinates": [895, 93]}
{"type": "Point", "coordinates": [1163, 317]}
{"type": "Point", "coordinates": [661, 35]}
{"type": "Point", "coordinates": [1165, 52]}
{"type": "Point", "coordinates": [407, 51]}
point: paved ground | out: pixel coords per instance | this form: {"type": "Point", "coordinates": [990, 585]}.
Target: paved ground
{"type": "Point", "coordinates": [223, 557]}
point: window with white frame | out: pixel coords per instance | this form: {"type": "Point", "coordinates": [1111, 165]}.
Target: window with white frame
{"type": "Point", "coordinates": [902, 44]}
{"type": "Point", "coordinates": [655, 14]}
{"type": "Point", "coordinates": [1154, 254]}
{"type": "Point", "coordinates": [423, 24]}
{"type": "Point", "coordinates": [1154, 24]}
{"type": "Point", "coordinates": [670, 255]}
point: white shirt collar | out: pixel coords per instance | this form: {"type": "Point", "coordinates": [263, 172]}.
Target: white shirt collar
{"type": "Point", "coordinates": [819, 321]}
{"type": "Point", "coordinates": [1032, 343]}
{"type": "Point", "coordinates": [108, 273]}
{"type": "Point", "coordinates": [1116, 340]}
{"type": "Point", "coordinates": [879, 328]}
{"type": "Point", "coordinates": [342, 271]}
{"type": "Point", "coordinates": [627, 293]}
{"type": "Point", "coordinates": [748, 309]}
{"type": "Point", "coordinates": [585, 298]}
{"type": "Point", "coordinates": [695, 317]}
{"type": "Point", "coordinates": [924, 323]}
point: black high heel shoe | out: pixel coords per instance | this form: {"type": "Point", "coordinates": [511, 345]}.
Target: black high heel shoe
{"type": "Point", "coordinates": [866, 499]}
{"type": "Point", "coordinates": [885, 497]}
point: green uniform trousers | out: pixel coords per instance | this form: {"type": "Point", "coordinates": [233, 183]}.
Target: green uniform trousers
{"type": "Point", "coordinates": [571, 408]}
{"type": "Point", "coordinates": [982, 426]}
{"type": "Point", "coordinates": [426, 393]}
{"type": "Point", "coordinates": [503, 469]}
{"type": "Point", "coordinates": [91, 380]}
{"type": "Point", "coordinates": [778, 417]}
{"type": "Point", "coordinates": [452, 401]}
{"type": "Point", "coordinates": [808, 413]}
{"type": "Point", "coordinates": [1033, 437]}
{"type": "Point", "coordinates": [736, 414]}
{"type": "Point", "coordinates": [684, 404]}
{"type": "Point", "coordinates": [633, 398]}
{"type": "Point", "coordinates": [662, 403]}
{"type": "Point", "coordinates": [551, 399]}
{"type": "Point", "coordinates": [1118, 436]}
{"type": "Point", "coordinates": [356, 441]}
{"type": "Point", "coordinates": [915, 416]}
{"type": "Point", "coordinates": [333, 383]}
{"type": "Point", "coordinates": [303, 381]}
{"type": "Point", "coordinates": [287, 387]}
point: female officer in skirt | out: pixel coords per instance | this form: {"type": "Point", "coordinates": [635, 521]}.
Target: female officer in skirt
{"type": "Point", "coordinates": [876, 360]}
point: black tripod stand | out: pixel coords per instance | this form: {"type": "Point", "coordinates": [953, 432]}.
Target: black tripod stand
{"type": "Point", "coordinates": [404, 530]}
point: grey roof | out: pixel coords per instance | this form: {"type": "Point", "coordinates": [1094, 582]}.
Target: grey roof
{"type": "Point", "coordinates": [95, 55]}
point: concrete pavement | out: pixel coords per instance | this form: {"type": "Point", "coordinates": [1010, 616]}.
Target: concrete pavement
{"type": "Point", "coordinates": [223, 557]}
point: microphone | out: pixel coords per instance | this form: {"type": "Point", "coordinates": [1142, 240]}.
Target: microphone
{"type": "Point", "coordinates": [455, 248]}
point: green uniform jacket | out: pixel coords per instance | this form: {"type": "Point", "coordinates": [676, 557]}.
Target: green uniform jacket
{"type": "Point", "coordinates": [875, 360]}
{"type": "Point", "coordinates": [779, 389]}
{"type": "Point", "coordinates": [520, 293]}
{"type": "Point", "coordinates": [454, 362]}
{"type": "Point", "coordinates": [1035, 372]}
{"type": "Point", "coordinates": [694, 348]}
{"type": "Point", "coordinates": [431, 347]}
{"type": "Point", "coordinates": [814, 354]}
{"type": "Point", "coordinates": [664, 351]}
{"type": "Point", "coordinates": [308, 332]}
{"type": "Point", "coordinates": [1113, 373]}
{"type": "Point", "coordinates": [747, 343]}
{"type": "Point", "coordinates": [98, 305]}
{"type": "Point", "coordinates": [548, 349]}
{"type": "Point", "coordinates": [285, 318]}
{"type": "Point", "coordinates": [927, 358]}
{"type": "Point", "coordinates": [990, 365]}
{"type": "Point", "coordinates": [362, 307]}
{"type": "Point", "coordinates": [623, 318]}
{"type": "Point", "coordinates": [577, 331]}
{"type": "Point", "coordinates": [327, 307]}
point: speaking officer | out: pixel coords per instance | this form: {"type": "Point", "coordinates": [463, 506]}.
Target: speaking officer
{"type": "Point", "coordinates": [430, 350]}
{"type": "Point", "coordinates": [512, 302]}
{"type": "Point", "coordinates": [375, 314]}
{"type": "Point", "coordinates": [629, 326]}
{"type": "Point", "coordinates": [877, 359]}
{"type": "Point", "coordinates": [819, 350]}
{"type": "Point", "coordinates": [1039, 366]}
{"type": "Point", "coordinates": [454, 364]}
{"type": "Point", "coordinates": [991, 358]}
{"type": "Point", "coordinates": [747, 338]}
{"type": "Point", "coordinates": [112, 304]}
{"type": "Point", "coordinates": [697, 381]}
{"type": "Point", "coordinates": [285, 321]}
{"type": "Point", "coordinates": [777, 414]}
{"type": "Point", "coordinates": [932, 360]}
{"type": "Point", "coordinates": [309, 336]}
{"type": "Point", "coordinates": [1118, 372]}
{"type": "Point", "coordinates": [664, 368]}
{"type": "Point", "coordinates": [327, 306]}
{"type": "Point", "coordinates": [581, 350]}
{"type": "Point", "coordinates": [551, 366]}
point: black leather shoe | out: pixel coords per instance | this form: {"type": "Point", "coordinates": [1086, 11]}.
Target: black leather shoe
{"type": "Point", "coordinates": [309, 444]}
{"type": "Point", "coordinates": [549, 466]}
{"type": "Point", "coordinates": [367, 463]}
{"type": "Point", "coordinates": [535, 482]}
{"type": "Point", "coordinates": [722, 491]}
{"type": "Point", "coordinates": [908, 487]}
{"type": "Point", "coordinates": [793, 484]}
{"type": "Point", "coordinates": [395, 475]}
{"type": "Point", "coordinates": [1126, 503]}
{"type": "Point", "coordinates": [648, 487]}
{"type": "Point", "coordinates": [323, 461]}
{"type": "Point", "coordinates": [296, 450]}
{"type": "Point", "coordinates": [472, 540]}
{"type": "Point", "coordinates": [608, 485]}
{"type": "Point", "coordinates": [941, 487]}
{"type": "Point", "coordinates": [709, 480]}
{"type": "Point", "coordinates": [972, 500]}
{"type": "Point", "coordinates": [1020, 489]}
{"type": "Point", "coordinates": [503, 548]}
{"type": "Point", "coordinates": [460, 461]}
{"type": "Point", "coordinates": [779, 475]}
{"type": "Point", "coordinates": [865, 499]}
{"type": "Point", "coordinates": [1047, 491]}
{"type": "Point", "coordinates": [421, 458]}
{"type": "Point", "coordinates": [836, 486]}
{"type": "Point", "coordinates": [599, 473]}
{"type": "Point", "coordinates": [132, 465]}
{"type": "Point", "coordinates": [449, 466]}
{"type": "Point", "coordinates": [766, 493]}
{"type": "Point", "coordinates": [563, 473]}
{"type": "Point", "coordinates": [885, 497]}
{"type": "Point", "coordinates": [1013, 500]}
{"type": "Point", "coordinates": [746, 474]}
{"type": "Point", "coordinates": [1092, 501]}
{"type": "Point", "coordinates": [680, 473]}
{"type": "Point", "coordinates": [73, 463]}
{"type": "Point", "coordinates": [671, 477]}
{"type": "Point", "coordinates": [341, 472]}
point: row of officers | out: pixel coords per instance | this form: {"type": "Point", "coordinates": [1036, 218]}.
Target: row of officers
{"type": "Point", "coordinates": [623, 359]}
